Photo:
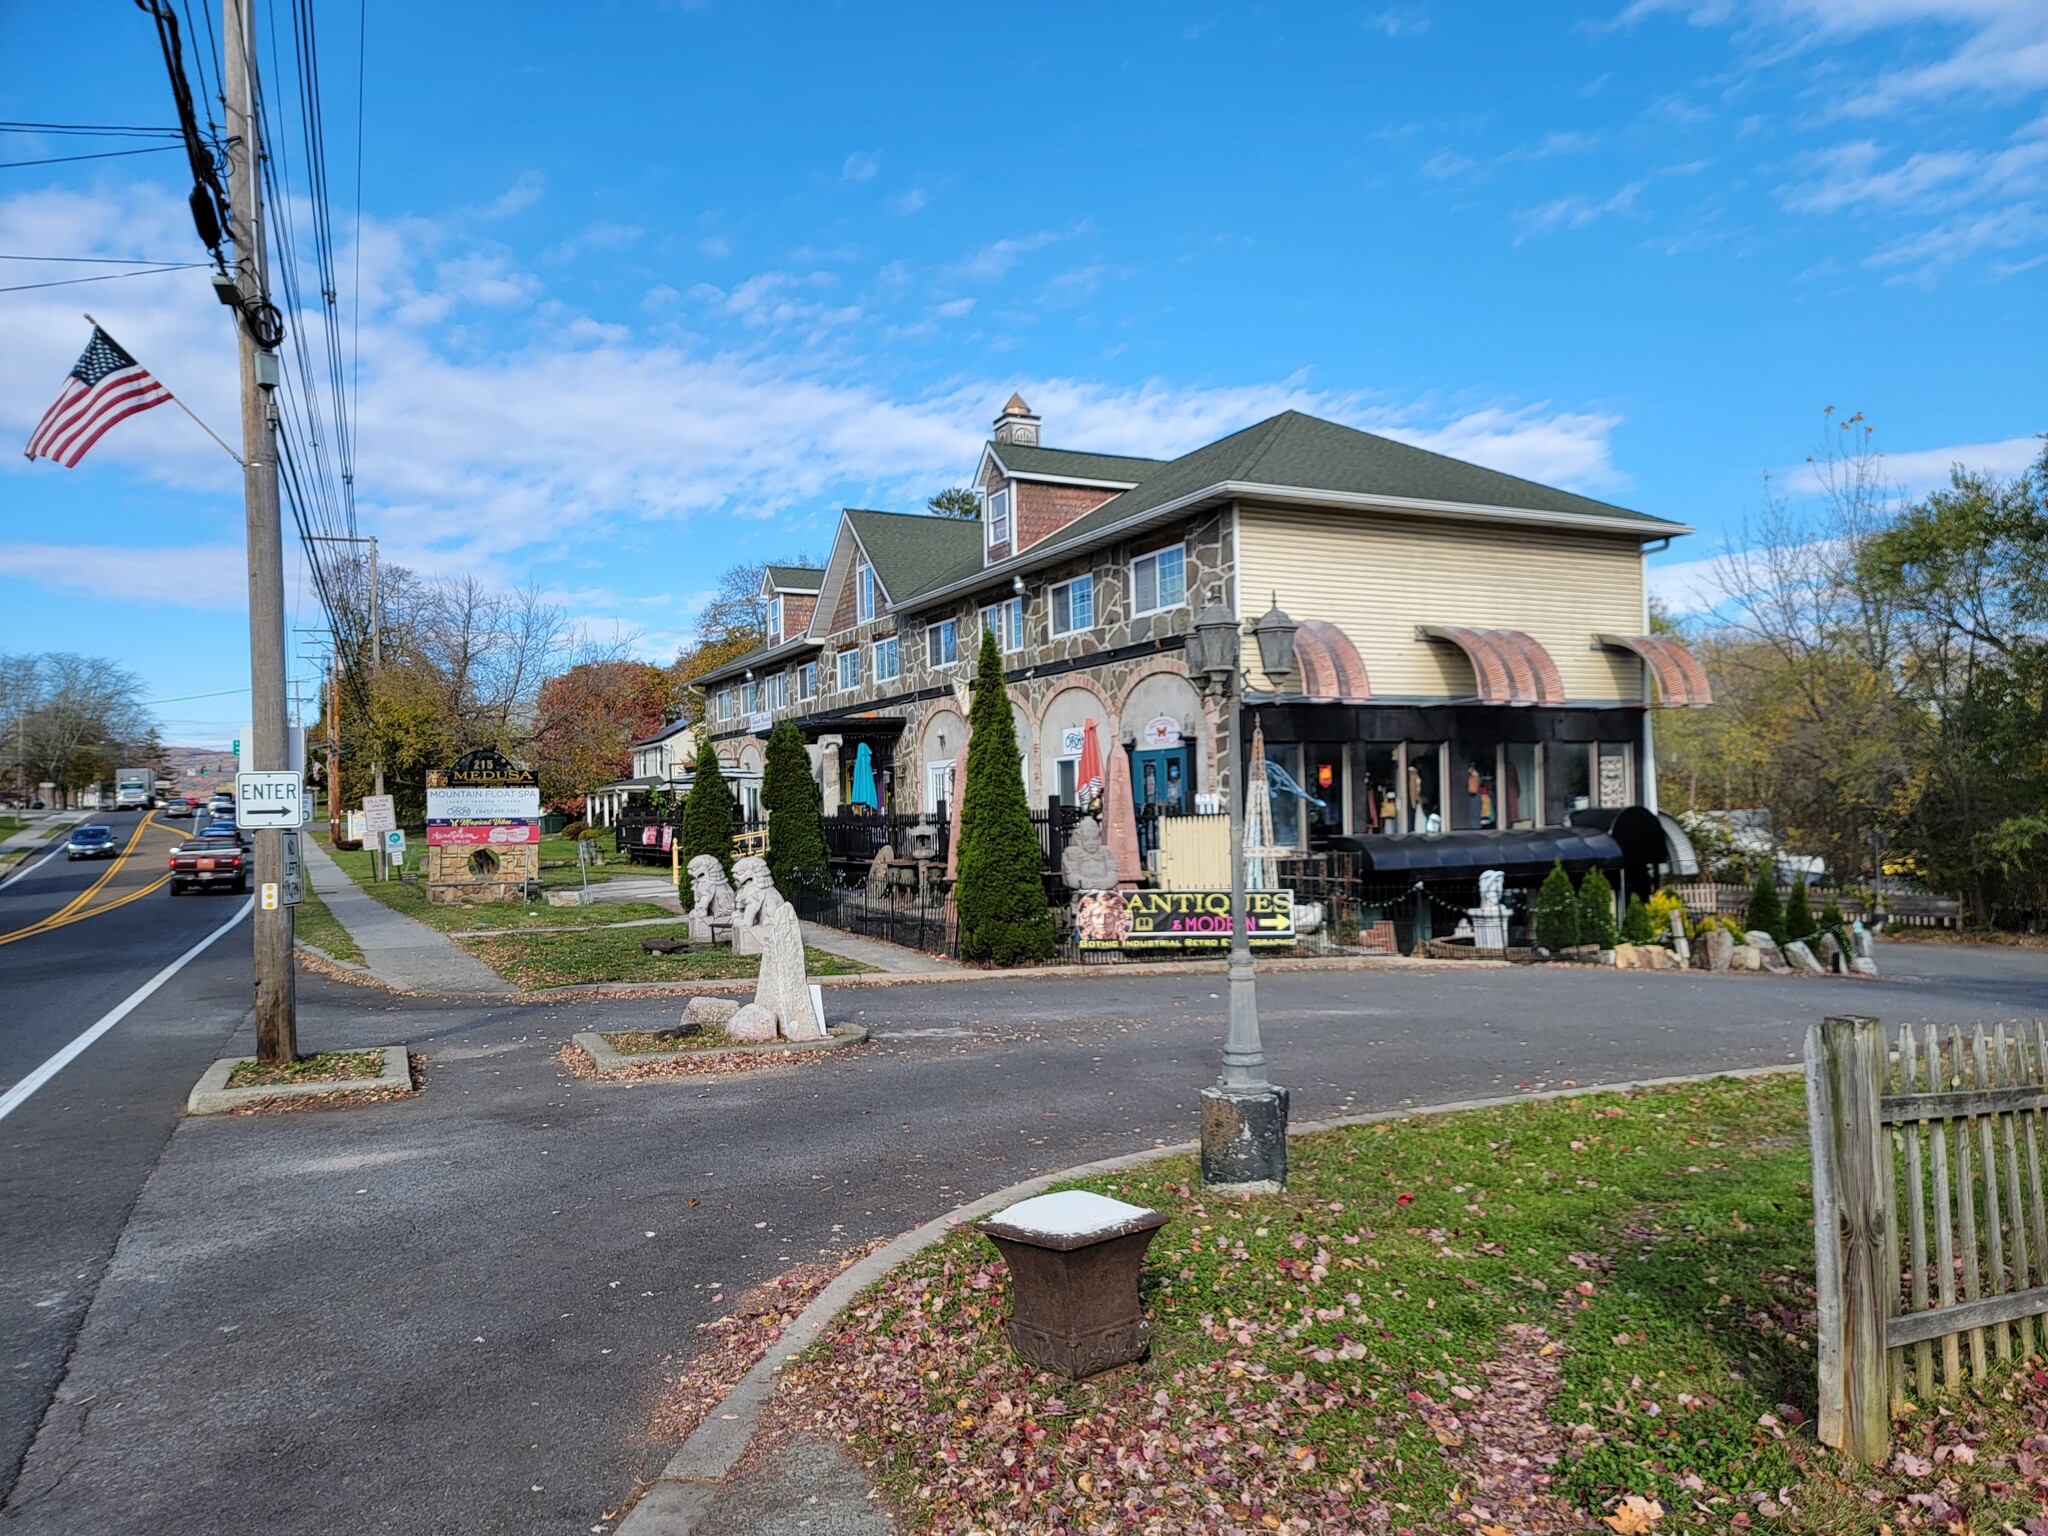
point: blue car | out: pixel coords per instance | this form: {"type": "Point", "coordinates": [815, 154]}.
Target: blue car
{"type": "Point", "coordinates": [91, 841]}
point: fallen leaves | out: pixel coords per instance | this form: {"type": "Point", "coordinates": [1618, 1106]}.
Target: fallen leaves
{"type": "Point", "coordinates": [1634, 1515]}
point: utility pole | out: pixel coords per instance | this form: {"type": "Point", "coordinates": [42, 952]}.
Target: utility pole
{"type": "Point", "coordinates": [277, 1025]}
{"type": "Point", "coordinates": [333, 752]}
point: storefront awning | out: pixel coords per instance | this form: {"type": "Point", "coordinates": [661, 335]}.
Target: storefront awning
{"type": "Point", "coordinates": [1465, 853]}
{"type": "Point", "coordinates": [1681, 680]}
{"type": "Point", "coordinates": [1645, 837]}
{"type": "Point", "coordinates": [1329, 664]}
{"type": "Point", "coordinates": [1510, 667]}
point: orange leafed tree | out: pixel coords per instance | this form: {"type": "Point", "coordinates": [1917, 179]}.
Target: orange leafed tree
{"type": "Point", "coordinates": [586, 723]}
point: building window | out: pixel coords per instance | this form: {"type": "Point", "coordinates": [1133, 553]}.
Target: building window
{"type": "Point", "coordinates": [997, 517]}
{"type": "Point", "coordinates": [724, 710]}
{"type": "Point", "coordinates": [849, 670]}
{"type": "Point", "coordinates": [1479, 784]}
{"type": "Point", "coordinates": [1521, 797]}
{"type": "Point", "coordinates": [1422, 801]}
{"type": "Point", "coordinates": [775, 617]}
{"type": "Point", "coordinates": [887, 662]}
{"type": "Point", "coordinates": [1612, 785]}
{"type": "Point", "coordinates": [1574, 760]}
{"type": "Point", "coordinates": [1073, 606]}
{"type": "Point", "coordinates": [807, 681]}
{"type": "Point", "coordinates": [941, 643]}
{"type": "Point", "coordinates": [863, 590]}
{"type": "Point", "coordinates": [1005, 621]}
{"type": "Point", "coordinates": [777, 690]}
{"type": "Point", "coordinates": [1159, 580]}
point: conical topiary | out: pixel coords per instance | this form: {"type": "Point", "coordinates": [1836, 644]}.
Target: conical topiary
{"type": "Point", "coordinates": [1799, 922]}
{"type": "Point", "coordinates": [797, 857]}
{"type": "Point", "coordinates": [1635, 925]}
{"type": "Point", "coordinates": [1765, 914]}
{"type": "Point", "coordinates": [707, 820]}
{"type": "Point", "coordinates": [999, 892]}
{"type": "Point", "coordinates": [1596, 911]}
{"type": "Point", "coordinates": [1832, 921]}
{"type": "Point", "coordinates": [1557, 911]}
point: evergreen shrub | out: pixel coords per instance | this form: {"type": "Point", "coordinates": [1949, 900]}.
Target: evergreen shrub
{"type": "Point", "coordinates": [1596, 911]}
{"type": "Point", "coordinates": [999, 893]}
{"type": "Point", "coordinates": [797, 857]}
{"type": "Point", "coordinates": [707, 821]}
{"type": "Point", "coordinates": [1557, 911]}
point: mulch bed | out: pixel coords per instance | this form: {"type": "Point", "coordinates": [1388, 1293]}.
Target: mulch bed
{"type": "Point", "coordinates": [685, 1064]}
{"type": "Point", "coordinates": [294, 1104]}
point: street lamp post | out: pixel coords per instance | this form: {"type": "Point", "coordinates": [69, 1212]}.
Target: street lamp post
{"type": "Point", "coordinates": [1244, 1117]}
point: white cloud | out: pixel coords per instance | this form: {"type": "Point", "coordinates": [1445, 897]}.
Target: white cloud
{"type": "Point", "coordinates": [1399, 20]}
{"type": "Point", "coordinates": [1687, 586]}
{"type": "Point", "coordinates": [994, 260]}
{"type": "Point", "coordinates": [522, 194]}
{"type": "Point", "coordinates": [1919, 470]}
{"type": "Point", "coordinates": [860, 167]}
{"type": "Point", "coordinates": [1575, 211]}
{"type": "Point", "coordinates": [186, 577]}
{"type": "Point", "coordinates": [909, 202]}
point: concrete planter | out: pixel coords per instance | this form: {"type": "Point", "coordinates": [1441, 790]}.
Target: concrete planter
{"type": "Point", "coordinates": [212, 1095]}
{"type": "Point", "coordinates": [1074, 1280]}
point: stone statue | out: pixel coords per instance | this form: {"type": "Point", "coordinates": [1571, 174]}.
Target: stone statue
{"type": "Point", "coordinates": [783, 989]}
{"type": "Point", "coordinates": [1087, 864]}
{"type": "Point", "coordinates": [1491, 883]}
{"type": "Point", "coordinates": [1490, 918]}
{"type": "Point", "coordinates": [878, 875]}
{"type": "Point", "coordinates": [710, 897]}
{"type": "Point", "coordinates": [755, 901]}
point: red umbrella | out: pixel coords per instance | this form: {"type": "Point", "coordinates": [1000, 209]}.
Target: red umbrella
{"type": "Point", "coordinates": [1088, 776]}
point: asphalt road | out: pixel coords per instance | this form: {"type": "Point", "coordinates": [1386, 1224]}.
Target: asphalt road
{"type": "Point", "coordinates": [453, 1314]}
{"type": "Point", "coordinates": [75, 1155]}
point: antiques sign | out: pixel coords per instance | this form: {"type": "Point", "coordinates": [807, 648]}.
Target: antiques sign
{"type": "Point", "coordinates": [1158, 921]}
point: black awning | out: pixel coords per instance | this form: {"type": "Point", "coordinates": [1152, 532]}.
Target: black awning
{"type": "Point", "coordinates": [1647, 838]}
{"type": "Point", "coordinates": [1468, 852]}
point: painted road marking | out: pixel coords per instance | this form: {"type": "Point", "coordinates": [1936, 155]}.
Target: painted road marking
{"type": "Point", "coordinates": [20, 1093]}
{"type": "Point", "coordinates": [78, 909]}
{"type": "Point", "coordinates": [39, 863]}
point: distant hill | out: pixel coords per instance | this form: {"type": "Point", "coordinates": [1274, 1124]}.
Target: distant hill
{"type": "Point", "coordinates": [185, 765]}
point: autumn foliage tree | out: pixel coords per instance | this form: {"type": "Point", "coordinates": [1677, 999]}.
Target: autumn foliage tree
{"type": "Point", "coordinates": [586, 722]}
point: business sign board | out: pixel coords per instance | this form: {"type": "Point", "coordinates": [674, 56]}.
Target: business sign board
{"type": "Point", "coordinates": [483, 803]}
{"type": "Point", "coordinates": [481, 833]}
{"type": "Point", "coordinates": [1192, 921]}
{"type": "Point", "coordinates": [394, 845]}
{"type": "Point", "coordinates": [1158, 733]}
{"type": "Point", "coordinates": [269, 799]}
{"type": "Point", "coordinates": [379, 815]}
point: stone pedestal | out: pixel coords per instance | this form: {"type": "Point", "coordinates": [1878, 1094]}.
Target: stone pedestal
{"type": "Point", "coordinates": [1244, 1139]}
{"type": "Point", "coordinates": [1073, 1259]}
{"type": "Point", "coordinates": [1489, 927]}
{"type": "Point", "coordinates": [459, 876]}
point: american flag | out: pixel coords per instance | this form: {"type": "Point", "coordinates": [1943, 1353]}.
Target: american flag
{"type": "Point", "coordinates": [106, 386]}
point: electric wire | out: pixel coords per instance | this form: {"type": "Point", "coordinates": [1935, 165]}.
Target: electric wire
{"type": "Point", "coordinates": [104, 154]}
{"type": "Point", "coordinates": [103, 277]}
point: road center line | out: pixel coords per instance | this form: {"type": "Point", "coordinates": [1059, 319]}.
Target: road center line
{"type": "Point", "coordinates": [20, 1093]}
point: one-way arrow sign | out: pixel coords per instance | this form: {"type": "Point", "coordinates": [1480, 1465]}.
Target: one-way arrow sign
{"type": "Point", "coordinates": [268, 799]}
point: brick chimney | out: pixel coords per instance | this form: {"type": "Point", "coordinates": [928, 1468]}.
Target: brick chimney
{"type": "Point", "coordinates": [1017, 424]}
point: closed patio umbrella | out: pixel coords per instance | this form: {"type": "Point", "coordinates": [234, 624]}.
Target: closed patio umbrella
{"type": "Point", "coordinates": [1088, 774]}
{"type": "Point", "coordinates": [864, 779]}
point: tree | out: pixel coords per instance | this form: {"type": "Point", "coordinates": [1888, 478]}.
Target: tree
{"type": "Point", "coordinates": [1596, 911]}
{"type": "Point", "coordinates": [797, 856]}
{"type": "Point", "coordinates": [1636, 927]}
{"type": "Point", "coordinates": [1832, 921]}
{"type": "Point", "coordinates": [68, 719]}
{"type": "Point", "coordinates": [1765, 914]}
{"type": "Point", "coordinates": [955, 501]}
{"type": "Point", "coordinates": [585, 724]}
{"type": "Point", "coordinates": [1557, 911]}
{"type": "Point", "coordinates": [1799, 922]}
{"type": "Point", "coordinates": [707, 820]}
{"type": "Point", "coordinates": [1000, 892]}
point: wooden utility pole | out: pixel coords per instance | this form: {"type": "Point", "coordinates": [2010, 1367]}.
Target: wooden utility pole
{"type": "Point", "coordinates": [333, 752]}
{"type": "Point", "coordinates": [277, 1029]}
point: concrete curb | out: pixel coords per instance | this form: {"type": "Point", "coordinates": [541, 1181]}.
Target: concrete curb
{"type": "Point", "coordinates": [606, 1059]}
{"type": "Point", "coordinates": [677, 1500]}
{"type": "Point", "coordinates": [211, 1095]}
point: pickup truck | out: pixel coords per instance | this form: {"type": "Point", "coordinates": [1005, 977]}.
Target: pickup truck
{"type": "Point", "coordinates": [221, 855]}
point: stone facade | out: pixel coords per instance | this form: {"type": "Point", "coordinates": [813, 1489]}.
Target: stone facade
{"type": "Point", "coordinates": [458, 877]}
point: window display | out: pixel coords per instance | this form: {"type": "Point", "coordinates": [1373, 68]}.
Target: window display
{"type": "Point", "coordinates": [1481, 788]}
{"type": "Point", "coordinates": [1613, 775]}
{"type": "Point", "coordinates": [1423, 804]}
{"type": "Point", "coordinates": [1379, 789]}
{"type": "Point", "coordinates": [1521, 799]}
{"type": "Point", "coordinates": [1287, 806]}
{"type": "Point", "coordinates": [1574, 760]}
{"type": "Point", "coordinates": [1326, 782]}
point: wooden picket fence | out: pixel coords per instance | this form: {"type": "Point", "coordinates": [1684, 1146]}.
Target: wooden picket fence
{"type": "Point", "coordinates": [1948, 1131]}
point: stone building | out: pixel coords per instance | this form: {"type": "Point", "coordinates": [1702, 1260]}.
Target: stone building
{"type": "Point", "coordinates": [1477, 673]}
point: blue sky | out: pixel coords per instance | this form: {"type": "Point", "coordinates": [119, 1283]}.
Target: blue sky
{"type": "Point", "coordinates": [647, 289]}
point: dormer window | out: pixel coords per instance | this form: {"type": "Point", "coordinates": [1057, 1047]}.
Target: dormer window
{"type": "Point", "coordinates": [996, 516]}
{"type": "Point", "coordinates": [775, 617]}
{"type": "Point", "coordinates": [864, 590]}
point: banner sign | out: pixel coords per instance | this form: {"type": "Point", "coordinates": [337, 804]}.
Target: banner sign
{"type": "Point", "coordinates": [477, 833]}
{"type": "Point", "coordinates": [1180, 920]}
{"type": "Point", "coordinates": [482, 803]}
{"type": "Point", "coordinates": [1160, 732]}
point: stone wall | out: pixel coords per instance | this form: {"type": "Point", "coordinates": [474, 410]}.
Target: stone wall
{"type": "Point", "coordinates": [453, 882]}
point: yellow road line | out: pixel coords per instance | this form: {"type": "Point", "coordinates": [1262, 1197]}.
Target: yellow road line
{"type": "Point", "coordinates": [76, 910]}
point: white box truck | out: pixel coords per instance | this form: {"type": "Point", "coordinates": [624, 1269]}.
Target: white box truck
{"type": "Point", "coordinates": [134, 789]}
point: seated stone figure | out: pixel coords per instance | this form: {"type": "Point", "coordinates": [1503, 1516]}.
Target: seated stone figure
{"type": "Point", "coordinates": [1088, 864]}
{"type": "Point", "coordinates": [710, 897]}
{"type": "Point", "coordinates": [755, 901]}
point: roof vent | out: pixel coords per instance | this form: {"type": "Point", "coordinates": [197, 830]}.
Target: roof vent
{"type": "Point", "coordinates": [1017, 424]}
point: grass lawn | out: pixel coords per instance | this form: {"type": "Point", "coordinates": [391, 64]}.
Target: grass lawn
{"type": "Point", "coordinates": [9, 825]}
{"type": "Point", "coordinates": [326, 1067]}
{"type": "Point", "coordinates": [535, 960]}
{"type": "Point", "coordinates": [1588, 1314]}
{"type": "Point", "coordinates": [412, 901]}
{"type": "Point", "coordinates": [312, 922]}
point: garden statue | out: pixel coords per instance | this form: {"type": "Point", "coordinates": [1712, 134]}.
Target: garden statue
{"type": "Point", "coordinates": [1490, 918]}
{"type": "Point", "coordinates": [1087, 865]}
{"type": "Point", "coordinates": [755, 901]}
{"type": "Point", "coordinates": [878, 875]}
{"type": "Point", "coordinates": [710, 897]}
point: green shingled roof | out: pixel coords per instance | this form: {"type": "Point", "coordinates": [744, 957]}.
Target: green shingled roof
{"type": "Point", "coordinates": [912, 551]}
{"type": "Point", "coordinates": [1119, 468]}
{"type": "Point", "coordinates": [795, 578]}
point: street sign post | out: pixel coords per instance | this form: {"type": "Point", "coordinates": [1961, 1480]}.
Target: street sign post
{"type": "Point", "coordinates": [273, 798]}
{"type": "Point", "coordinates": [379, 815]}
{"type": "Point", "coordinates": [394, 845]}
{"type": "Point", "coordinates": [294, 881]}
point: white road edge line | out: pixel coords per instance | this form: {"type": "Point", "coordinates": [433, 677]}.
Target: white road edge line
{"type": "Point", "coordinates": [20, 1093]}
{"type": "Point", "coordinates": [39, 863]}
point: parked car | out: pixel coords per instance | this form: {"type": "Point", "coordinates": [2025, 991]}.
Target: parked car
{"type": "Point", "coordinates": [90, 840]}
{"type": "Point", "coordinates": [221, 855]}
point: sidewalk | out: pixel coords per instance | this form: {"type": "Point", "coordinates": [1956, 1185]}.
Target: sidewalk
{"type": "Point", "coordinates": [398, 951]}
{"type": "Point", "coordinates": [893, 959]}
{"type": "Point", "coordinates": [42, 825]}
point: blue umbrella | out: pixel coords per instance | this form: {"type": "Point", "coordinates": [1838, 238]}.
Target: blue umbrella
{"type": "Point", "coordinates": [864, 779]}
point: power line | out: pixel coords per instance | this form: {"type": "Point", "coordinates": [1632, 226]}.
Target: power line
{"type": "Point", "coordinates": [104, 277]}
{"type": "Point", "coordinates": [105, 154]}
{"type": "Point", "coordinates": [110, 261]}
{"type": "Point", "coordinates": [96, 130]}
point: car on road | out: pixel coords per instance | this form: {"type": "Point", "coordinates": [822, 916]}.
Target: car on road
{"type": "Point", "coordinates": [178, 806]}
{"type": "Point", "coordinates": [222, 804]}
{"type": "Point", "coordinates": [222, 855]}
{"type": "Point", "coordinates": [90, 840]}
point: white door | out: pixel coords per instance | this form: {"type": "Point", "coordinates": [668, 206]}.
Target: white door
{"type": "Point", "coordinates": [938, 785]}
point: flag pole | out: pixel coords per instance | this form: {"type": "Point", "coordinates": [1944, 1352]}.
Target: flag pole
{"type": "Point", "coordinates": [181, 405]}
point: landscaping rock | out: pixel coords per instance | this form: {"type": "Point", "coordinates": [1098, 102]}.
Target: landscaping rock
{"type": "Point", "coordinates": [661, 946]}
{"type": "Point", "coordinates": [1862, 946]}
{"type": "Point", "coordinates": [706, 1013]}
{"type": "Point", "coordinates": [1720, 949]}
{"type": "Point", "coordinates": [1863, 966]}
{"type": "Point", "coordinates": [750, 1024]}
{"type": "Point", "coordinates": [1769, 956]}
{"type": "Point", "coordinates": [1625, 957]}
{"type": "Point", "coordinates": [1745, 957]}
{"type": "Point", "coordinates": [572, 897]}
{"type": "Point", "coordinates": [783, 988]}
{"type": "Point", "coordinates": [1829, 952]}
{"type": "Point", "coordinates": [1801, 959]}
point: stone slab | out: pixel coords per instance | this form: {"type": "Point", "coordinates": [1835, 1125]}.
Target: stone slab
{"type": "Point", "coordinates": [606, 1059]}
{"type": "Point", "coordinates": [212, 1095]}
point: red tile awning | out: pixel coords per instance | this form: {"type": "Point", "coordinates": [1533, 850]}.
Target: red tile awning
{"type": "Point", "coordinates": [1510, 667]}
{"type": "Point", "coordinates": [1681, 680]}
{"type": "Point", "coordinates": [1329, 664]}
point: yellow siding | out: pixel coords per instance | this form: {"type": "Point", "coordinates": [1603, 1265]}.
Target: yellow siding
{"type": "Point", "coordinates": [1378, 577]}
